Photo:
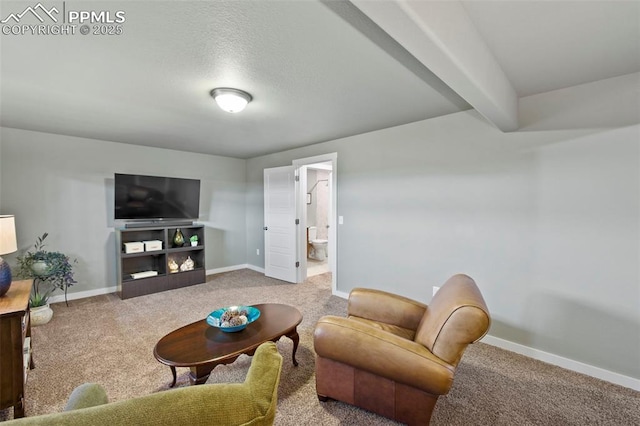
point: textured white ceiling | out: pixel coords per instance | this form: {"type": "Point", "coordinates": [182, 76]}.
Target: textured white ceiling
{"type": "Point", "coordinates": [549, 45]}
{"type": "Point", "coordinates": [312, 75]}
{"type": "Point", "coordinates": [317, 70]}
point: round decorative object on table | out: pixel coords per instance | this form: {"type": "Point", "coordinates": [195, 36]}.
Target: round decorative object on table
{"type": "Point", "coordinates": [4, 287]}
{"type": "Point", "coordinates": [41, 315]}
{"type": "Point", "coordinates": [178, 238]}
{"type": "Point", "coordinates": [5, 277]}
{"type": "Point", "coordinates": [8, 244]}
{"type": "Point", "coordinates": [220, 318]}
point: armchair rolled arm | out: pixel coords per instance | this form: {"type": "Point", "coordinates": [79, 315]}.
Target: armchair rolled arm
{"type": "Point", "coordinates": [378, 305]}
{"type": "Point", "coordinates": [405, 361]}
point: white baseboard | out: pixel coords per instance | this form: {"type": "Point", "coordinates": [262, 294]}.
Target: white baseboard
{"type": "Point", "coordinates": [227, 269]}
{"type": "Point", "coordinates": [569, 364]}
{"type": "Point", "coordinates": [255, 268]}
{"type": "Point", "coordinates": [82, 294]}
{"type": "Point", "coordinates": [341, 294]}
{"type": "Point", "coordinates": [106, 290]}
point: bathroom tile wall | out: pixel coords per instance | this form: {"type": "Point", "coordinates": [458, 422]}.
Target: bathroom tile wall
{"type": "Point", "coordinates": [311, 208]}
{"type": "Point", "coordinates": [321, 195]}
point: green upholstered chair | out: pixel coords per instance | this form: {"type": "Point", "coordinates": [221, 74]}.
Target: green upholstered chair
{"type": "Point", "coordinates": [250, 403]}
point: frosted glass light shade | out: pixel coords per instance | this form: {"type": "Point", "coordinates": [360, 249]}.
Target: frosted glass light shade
{"type": "Point", "coordinates": [231, 100]}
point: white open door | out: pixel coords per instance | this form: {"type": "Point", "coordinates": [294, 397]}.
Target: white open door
{"type": "Point", "coordinates": [280, 223]}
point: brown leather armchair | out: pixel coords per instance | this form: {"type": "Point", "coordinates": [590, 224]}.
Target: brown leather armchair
{"type": "Point", "coordinates": [395, 356]}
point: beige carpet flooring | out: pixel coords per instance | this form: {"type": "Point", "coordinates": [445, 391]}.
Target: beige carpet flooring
{"type": "Point", "coordinates": [110, 341]}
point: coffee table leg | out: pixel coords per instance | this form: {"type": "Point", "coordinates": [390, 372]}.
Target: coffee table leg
{"type": "Point", "coordinates": [199, 375]}
{"type": "Point", "coordinates": [173, 371]}
{"type": "Point", "coordinates": [296, 339]}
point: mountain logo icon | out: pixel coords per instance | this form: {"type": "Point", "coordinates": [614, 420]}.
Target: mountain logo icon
{"type": "Point", "coordinates": [39, 11]}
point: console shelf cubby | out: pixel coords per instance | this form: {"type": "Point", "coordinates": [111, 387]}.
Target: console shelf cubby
{"type": "Point", "coordinates": [157, 261]}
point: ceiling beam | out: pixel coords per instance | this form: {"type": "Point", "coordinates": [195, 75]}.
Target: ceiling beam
{"type": "Point", "coordinates": [441, 35]}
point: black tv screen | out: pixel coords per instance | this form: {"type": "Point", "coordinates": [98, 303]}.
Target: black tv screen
{"type": "Point", "coordinates": [155, 197]}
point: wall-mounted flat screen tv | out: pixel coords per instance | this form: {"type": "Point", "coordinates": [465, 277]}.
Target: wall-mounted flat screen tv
{"type": "Point", "coordinates": [140, 197]}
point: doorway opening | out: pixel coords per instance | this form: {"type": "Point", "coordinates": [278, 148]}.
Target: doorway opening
{"type": "Point", "coordinates": [317, 217]}
{"type": "Point", "coordinates": [317, 236]}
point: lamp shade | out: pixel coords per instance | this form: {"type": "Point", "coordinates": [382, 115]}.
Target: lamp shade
{"type": "Point", "coordinates": [8, 243]}
{"type": "Point", "coordinates": [231, 100]}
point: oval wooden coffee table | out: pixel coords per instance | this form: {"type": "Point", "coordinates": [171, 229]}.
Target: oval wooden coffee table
{"type": "Point", "coordinates": [201, 347]}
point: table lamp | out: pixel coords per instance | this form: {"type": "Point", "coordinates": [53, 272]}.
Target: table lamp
{"type": "Point", "coordinates": [8, 244]}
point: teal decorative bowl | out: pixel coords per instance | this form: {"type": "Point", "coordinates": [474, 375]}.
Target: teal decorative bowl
{"type": "Point", "coordinates": [214, 319]}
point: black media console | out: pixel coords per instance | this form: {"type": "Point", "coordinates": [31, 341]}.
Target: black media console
{"type": "Point", "coordinates": [145, 270]}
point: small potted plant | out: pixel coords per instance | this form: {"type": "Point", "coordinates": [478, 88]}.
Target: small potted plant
{"type": "Point", "coordinates": [194, 240]}
{"type": "Point", "coordinates": [50, 271]}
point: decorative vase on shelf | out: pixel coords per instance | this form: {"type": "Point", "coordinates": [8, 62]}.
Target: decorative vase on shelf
{"type": "Point", "coordinates": [40, 315]}
{"type": "Point", "coordinates": [188, 265]}
{"type": "Point", "coordinates": [178, 238]}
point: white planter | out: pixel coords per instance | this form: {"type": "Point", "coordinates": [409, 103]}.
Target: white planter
{"type": "Point", "coordinates": [194, 243]}
{"type": "Point", "coordinates": [41, 315]}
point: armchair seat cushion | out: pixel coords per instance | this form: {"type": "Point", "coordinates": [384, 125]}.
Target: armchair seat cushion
{"type": "Point", "coordinates": [405, 333]}
{"type": "Point", "coordinates": [381, 353]}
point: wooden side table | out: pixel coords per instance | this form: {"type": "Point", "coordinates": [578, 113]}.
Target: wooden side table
{"type": "Point", "coordinates": [15, 346]}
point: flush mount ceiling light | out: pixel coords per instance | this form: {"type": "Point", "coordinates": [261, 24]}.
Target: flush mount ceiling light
{"type": "Point", "coordinates": [231, 100]}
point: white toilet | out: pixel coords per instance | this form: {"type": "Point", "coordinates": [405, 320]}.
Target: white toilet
{"type": "Point", "coordinates": [319, 251]}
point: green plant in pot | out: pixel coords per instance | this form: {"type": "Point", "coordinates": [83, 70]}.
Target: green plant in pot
{"type": "Point", "coordinates": [194, 240]}
{"type": "Point", "coordinates": [50, 271]}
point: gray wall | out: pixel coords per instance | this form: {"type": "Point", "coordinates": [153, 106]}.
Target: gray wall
{"type": "Point", "coordinates": [64, 186]}
{"type": "Point", "coordinates": [546, 219]}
